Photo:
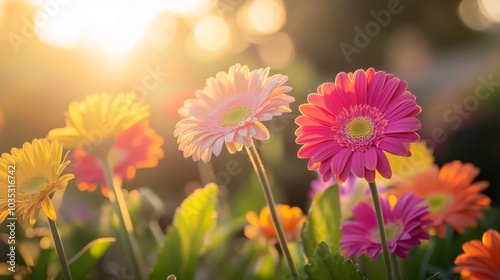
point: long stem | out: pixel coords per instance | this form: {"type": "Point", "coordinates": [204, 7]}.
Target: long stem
{"type": "Point", "coordinates": [126, 228]}
{"type": "Point", "coordinates": [59, 249]}
{"type": "Point", "coordinates": [398, 267]}
{"type": "Point", "coordinates": [253, 154]}
{"type": "Point", "coordinates": [427, 257]}
{"type": "Point", "coordinates": [380, 223]}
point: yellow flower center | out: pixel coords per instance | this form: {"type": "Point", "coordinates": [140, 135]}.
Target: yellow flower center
{"type": "Point", "coordinates": [437, 202]}
{"type": "Point", "coordinates": [33, 185]}
{"type": "Point", "coordinates": [234, 116]}
{"type": "Point", "coordinates": [359, 129]}
{"type": "Point", "coordinates": [391, 232]}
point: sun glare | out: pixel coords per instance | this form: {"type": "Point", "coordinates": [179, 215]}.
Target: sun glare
{"type": "Point", "coordinates": [263, 17]}
{"type": "Point", "coordinates": [114, 26]}
{"type": "Point", "coordinates": [211, 33]}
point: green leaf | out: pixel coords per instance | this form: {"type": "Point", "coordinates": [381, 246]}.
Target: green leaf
{"type": "Point", "coordinates": [82, 263]}
{"type": "Point", "coordinates": [325, 265]}
{"type": "Point", "coordinates": [184, 239]}
{"type": "Point", "coordinates": [40, 270]}
{"type": "Point", "coordinates": [323, 221]}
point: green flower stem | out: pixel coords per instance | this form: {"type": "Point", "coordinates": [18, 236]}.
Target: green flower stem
{"type": "Point", "coordinates": [381, 228]}
{"type": "Point", "coordinates": [429, 250]}
{"type": "Point", "coordinates": [126, 228]}
{"type": "Point", "coordinates": [59, 249]}
{"type": "Point", "coordinates": [253, 154]}
{"type": "Point", "coordinates": [398, 266]}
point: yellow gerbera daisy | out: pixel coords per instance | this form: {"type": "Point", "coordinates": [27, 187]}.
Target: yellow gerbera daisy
{"type": "Point", "coordinates": [98, 119]}
{"type": "Point", "coordinates": [34, 172]}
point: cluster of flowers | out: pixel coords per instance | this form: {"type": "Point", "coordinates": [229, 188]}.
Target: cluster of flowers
{"type": "Point", "coordinates": [355, 131]}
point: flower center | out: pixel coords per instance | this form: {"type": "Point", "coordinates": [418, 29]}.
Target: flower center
{"type": "Point", "coordinates": [359, 129]}
{"type": "Point", "coordinates": [33, 185]}
{"type": "Point", "coordinates": [391, 232]}
{"type": "Point", "coordinates": [437, 202]}
{"type": "Point", "coordinates": [234, 116]}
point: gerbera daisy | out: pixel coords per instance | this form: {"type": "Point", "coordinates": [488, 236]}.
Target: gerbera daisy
{"type": "Point", "coordinates": [291, 219]}
{"type": "Point", "coordinates": [36, 172]}
{"type": "Point", "coordinates": [452, 196]}
{"type": "Point", "coordinates": [136, 147]}
{"type": "Point", "coordinates": [404, 227]}
{"type": "Point", "coordinates": [93, 124]}
{"type": "Point", "coordinates": [480, 260]}
{"type": "Point", "coordinates": [347, 125]}
{"type": "Point", "coordinates": [229, 110]}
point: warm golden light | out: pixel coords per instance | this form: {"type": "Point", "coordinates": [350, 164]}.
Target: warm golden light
{"type": "Point", "coordinates": [490, 9]}
{"type": "Point", "coordinates": [262, 17]}
{"type": "Point", "coordinates": [471, 16]}
{"type": "Point", "coordinates": [277, 50]}
{"type": "Point", "coordinates": [114, 26]}
{"type": "Point", "coordinates": [211, 33]}
{"type": "Point", "coordinates": [189, 8]}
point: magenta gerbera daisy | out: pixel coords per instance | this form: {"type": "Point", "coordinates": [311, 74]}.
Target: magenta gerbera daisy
{"type": "Point", "coordinates": [404, 227]}
{"type": "Point", "coordinates": [348, 124]}
{"type": "Point", "coordinates": [230, 110]}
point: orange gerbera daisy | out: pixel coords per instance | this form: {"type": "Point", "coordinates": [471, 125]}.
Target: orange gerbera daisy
{"type": "Point", "coordinates": [452, 196]}
{"type": "Point", "coordinates": [480, 260]}
{"type": "Point", "coordinates": [136, 147]}
{"type": "Point", "coordinates": [291, 219]}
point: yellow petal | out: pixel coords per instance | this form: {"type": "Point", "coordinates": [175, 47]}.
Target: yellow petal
{"type": "Point", "coordinates": [3, 215]}
{"type": "Point", "coordinates": [49, 210]}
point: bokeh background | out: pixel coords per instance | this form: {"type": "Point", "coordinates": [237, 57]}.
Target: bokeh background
{"type": "Point", "coordinates": [53, 52]}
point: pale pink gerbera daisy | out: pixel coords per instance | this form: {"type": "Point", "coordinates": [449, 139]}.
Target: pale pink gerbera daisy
{"type": "Point", "coordinates": [404, 227]}
{"type": "Point", "coordinates": [229, 110]}
{"type": "Point", "coordinates": [348, 124]}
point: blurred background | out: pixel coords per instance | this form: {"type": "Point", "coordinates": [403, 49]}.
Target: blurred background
{"type": "Point", "coordinates": [53, 52]}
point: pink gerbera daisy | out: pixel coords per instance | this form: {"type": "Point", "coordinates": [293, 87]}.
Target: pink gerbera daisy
{"type": "Point", "coordinates": [136, 147]}
{"type": "Point", "coordinates": [404, 227]}
{"type": "Point", "coordinates": [229, 110]}
{"type": "Point", "coordinates": [348, 124]}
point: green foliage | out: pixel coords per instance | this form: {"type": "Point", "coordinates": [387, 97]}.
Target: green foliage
{"type": "Point", "coordinates": [184, 239]}
{"type": "Point", "coordinates": [83, 262]}
{"type": "Point", "coordinates": [323, 221]}
{"type": "Point", "coordinates": [40, 270]}
{"type": "Point", "coordinates": [326, 265]}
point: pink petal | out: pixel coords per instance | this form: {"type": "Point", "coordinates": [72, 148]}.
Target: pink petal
{"type": "Point", "coordinates": [358, 164]}
{"type": "Point", "coordinates": [371, 158]}
{"type": "Point", "coordinates": [339, 160]}
{"type": "Point", "coordinates": [360, 85]}
{"type": "Point", "coordinates": [405, 137]}
{"type": "Point", "coordinates": [403, 125]}
{"type": "Point", "coordinates": [394, 146]}
{"type": "Point", "coordinates": [375, 87]}
{"type": "Point", "coordinates": [386, 94]}
{"type": "Point", "coordinates": [383, 166]}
